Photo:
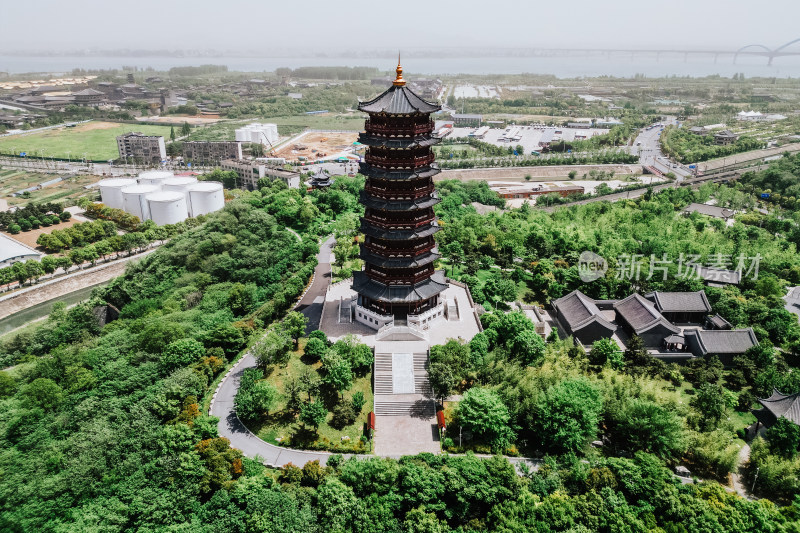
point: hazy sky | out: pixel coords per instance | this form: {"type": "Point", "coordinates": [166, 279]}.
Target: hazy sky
{"type": "Point", "coordinates": [325, 25]}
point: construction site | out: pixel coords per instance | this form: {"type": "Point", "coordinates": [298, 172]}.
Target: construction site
{"type": "Point", "coordinates": [315, 146]}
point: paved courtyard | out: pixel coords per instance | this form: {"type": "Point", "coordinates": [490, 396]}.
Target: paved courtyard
{"type": "Point", "coordinates": [406, 435]}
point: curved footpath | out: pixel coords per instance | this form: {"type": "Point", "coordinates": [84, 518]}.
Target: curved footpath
{"type": "Point", "coordinates": [231, 427]}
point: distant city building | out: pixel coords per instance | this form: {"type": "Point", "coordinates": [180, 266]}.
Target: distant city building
{"type": "Point", "coordinates": [211, 151]}
{"type": "Point", "coordinates": [756, 116]}
{"type": "Point", "coordinates": [515, 192]}
{"type": "Point", "coordinates": [467, 120]}
{"type": "Point", "coordinates": [250, 172]}
{"type": "Point", "coordinates": [258, 133]}
{"type": "Point", "coordinates": [89, 97]}
{"type": "Point", "coordinates": [698, 130]}
{"type": "Point", "coordinates": [725, 137]}
{"type": "Point", "coordinates": [136, 146]}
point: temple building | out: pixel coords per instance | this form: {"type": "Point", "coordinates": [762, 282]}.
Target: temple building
{"type": "Point", "coordinates": [321, 179]}
{"type": "Point", "coordinates": [399, 285]}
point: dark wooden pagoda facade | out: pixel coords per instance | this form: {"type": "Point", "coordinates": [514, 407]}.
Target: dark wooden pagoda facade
{"type": "Point", "coordinates": [399, 223]}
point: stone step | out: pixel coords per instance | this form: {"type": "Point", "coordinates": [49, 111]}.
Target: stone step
{"type": "Point", "coordinates": [417, 408]}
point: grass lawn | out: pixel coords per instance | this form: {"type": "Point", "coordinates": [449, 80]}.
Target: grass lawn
{"type": "Point", "coordinates": [67, 190]}
{"type": "Point", "coordinates": [98, 140]}
{"type": "Point", "coordinates": [281, 427]}
{"type": "Point", "coordinates": [337, 273]}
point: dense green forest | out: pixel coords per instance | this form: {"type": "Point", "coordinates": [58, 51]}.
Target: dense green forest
{"type": "Point", "coordinates": [102, 426]}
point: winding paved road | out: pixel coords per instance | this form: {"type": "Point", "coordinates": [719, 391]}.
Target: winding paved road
{"type": "Point", "coordinates": [229, 425]}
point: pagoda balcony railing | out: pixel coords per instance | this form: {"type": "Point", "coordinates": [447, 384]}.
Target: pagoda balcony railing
{"type": "Point", "coordinates": [399, 280]}
{"type": "Point", "coordinates": [405, 130]}
{"type": "Point", "coordinates": [399, 194]}
{"type": "Point", "coordinates": [400, 252]}
{"type": "Point", "coordinates": [388, 223]}
{"type": "Point", "coordinates": [391, 162]}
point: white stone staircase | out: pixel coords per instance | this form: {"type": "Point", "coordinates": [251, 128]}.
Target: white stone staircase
{"type": "Point", "coordinates": [390, 403]}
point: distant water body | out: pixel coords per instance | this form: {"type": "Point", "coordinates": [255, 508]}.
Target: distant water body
{"type": "Point", "coordinates": [617, 65]}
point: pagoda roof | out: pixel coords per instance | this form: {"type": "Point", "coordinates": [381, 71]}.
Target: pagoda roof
{"type": "Point", "coordinates": [321, 178]}
{"type": "Point", "coordinates": [420, 141]}
{"type": "Point", "coordinates": [398, 262]}
{"type": "Point", "coordinates": [380, 173]}
{"type": "Point", "coordinates": [782, 405]}
{"type": "Point", "coordinates": [398, 235]}
{"type": "Point", "coordinates": [380, 292]}
{"type": "Point", "coordinates": [398, 100]}
{"type": "Point", "coordinates": [375, 202]}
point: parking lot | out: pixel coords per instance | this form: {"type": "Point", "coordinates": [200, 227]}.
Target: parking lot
{"type": "Point", "coordinates": [530, 136]}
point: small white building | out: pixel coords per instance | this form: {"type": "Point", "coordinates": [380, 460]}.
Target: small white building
{"type": "Point", "coordinates": [266, 134]}
{"type": "Point", "coordinates": [12, 251]}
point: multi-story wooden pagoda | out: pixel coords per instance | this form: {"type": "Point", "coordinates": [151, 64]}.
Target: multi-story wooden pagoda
{"type": "Point", "coordinates": [398, 282]}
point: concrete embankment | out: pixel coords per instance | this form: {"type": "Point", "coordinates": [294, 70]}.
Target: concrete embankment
{"type": "Point", "coordinates": [536, 173]}
{"type": "Point", "coordinates": [62, 286]}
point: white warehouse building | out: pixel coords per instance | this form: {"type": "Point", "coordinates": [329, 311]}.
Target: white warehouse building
{"type": "Point", "coordinates": [258, 133]}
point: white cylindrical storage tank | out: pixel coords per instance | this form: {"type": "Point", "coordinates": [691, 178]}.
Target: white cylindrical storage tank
{"type": "Point", "coordinates": [154, 177]}
{"type": "Point", "coordinates": [205, 197]}
{"type": "Point", "coordinates": [134, 200]}
{"type": "Point", "coordinates": [111, 190]}
{"type": "Point", "coordinates": [167, 207]}
{"type": "Point", "coordinates": [179, 183]}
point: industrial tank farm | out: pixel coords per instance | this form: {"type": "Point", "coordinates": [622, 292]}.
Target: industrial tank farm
{"type": "Point", "coordinates": [111, 190]}
{"type": "Point", "coordinates": [167, 207]}
{"type": "Point", "coordinates": [205, 197]}
{"type": "Point", "coordinates": [162, 197]}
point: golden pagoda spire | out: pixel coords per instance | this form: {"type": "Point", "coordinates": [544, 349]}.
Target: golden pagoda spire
{"type": "Point", "coordinates": [399, 81]}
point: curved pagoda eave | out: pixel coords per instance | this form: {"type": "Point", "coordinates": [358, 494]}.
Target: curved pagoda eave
{"type": "Point", "coordinates": [398, 100]}
{"type": "Point", "coordinates": [368, 200]}
{"type": "Point", "coordinates": [392, 294]}
{"type": "Point", "coordinates": [399, 262]}
{"type": "Point", "coordinates": [377, 141]}
{"type": "Point", "coordinates": [398, 235]}
{"type": "Point", "coordinates": [401, 174]}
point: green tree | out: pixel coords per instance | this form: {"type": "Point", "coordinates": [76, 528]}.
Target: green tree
{"type": "Point", "coordinates": [442, 379]}
{"type": "Point", "coordinates": [567, 415]}
{"type": "Point", "coordinates": [44, 393]}
{"type": "Point", "coordinates": [182, 353]}
{"type": "Point", "coordinates": [602, 350]}
{"type": "Point", "coordinates": [483, 412]}
{"type": "Point", "coordinates": [315, 348]}
{"type": "Point", "coordinates": [295, 325]}
{"type": "Point", "coordinates": [784, 438]}
{"type": "Point", "coordinates": [172, 135]}
{"type": "Point", "coordinates": [256, 400]}
{"type": "Point", "coordinates": [646, 426]}
{"type": "Point", "coordinates": [313, 414]}
{"type": "Point", "coordinates": [273, 348]}
{"type": "Point", "coordinates": [186, 129]}
{"type": "Point", "coordinates": [339, 374]}
{"type": "Point", "coordinates": [709, 401]}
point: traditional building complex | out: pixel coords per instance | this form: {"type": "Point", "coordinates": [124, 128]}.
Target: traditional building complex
{"type": "Point", "coordinates": [398, 283]}
{"type": "Point", "coordinates": [672, 325]}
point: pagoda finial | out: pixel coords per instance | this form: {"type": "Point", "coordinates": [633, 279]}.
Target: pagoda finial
{"type": "Point", "coordinates": [399, 81]}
